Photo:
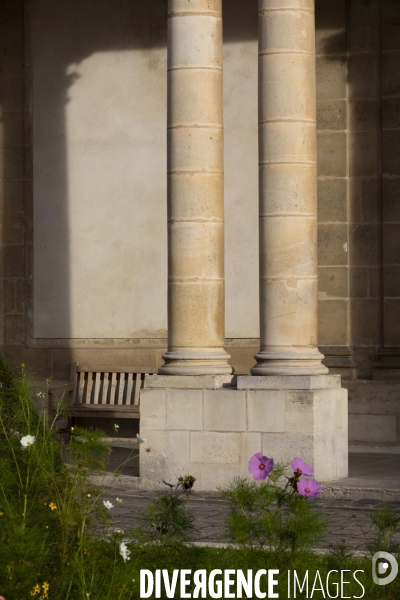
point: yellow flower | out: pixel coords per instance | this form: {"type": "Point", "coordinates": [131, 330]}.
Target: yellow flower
{"type": "Point", "coordinates": [36, 590]}
{"type": "Point", "coordinates": [1, 513]}
{"type": "Point", "coordinates": [45, 587]}
{"type": "Point", "coordinates": [53, 506]}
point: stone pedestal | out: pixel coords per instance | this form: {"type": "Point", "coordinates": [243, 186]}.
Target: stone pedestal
{"type": "Point", "coordinates": [208, 428]}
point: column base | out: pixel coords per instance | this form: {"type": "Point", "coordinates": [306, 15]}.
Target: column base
{"type": "Point", "coordinates": [289, 363]}
{"type": "Point", "coordinates": [205, 361]}
{"type": "Point", "coordinates": [212, 433]}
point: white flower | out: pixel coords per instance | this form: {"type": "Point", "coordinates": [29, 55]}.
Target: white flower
{"type": "Point", "coordinates": [116, 427]}
{"type": "Point", "coordinates": [140, 440]}
{"type": "Point", "coordinates": [117, 530]}
{"type": "Point", "coordinates": [118, 500]}
{"type": "Point", "coordinates": [108, 504]}
{"type": "Point", "coordinates": [41, 395]}
{"type": "Point", "coordinates": [27, 440]}
{"type": "Point", "coordinates": [124, 552]}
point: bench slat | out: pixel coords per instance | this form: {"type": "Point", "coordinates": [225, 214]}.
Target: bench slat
{"type": "Point", "coordinates": [74, 380]}
{"type": "Point", "coordinates": [105, 388]}
{"type": "Point", "coordinates": [96, 389]}
{"type": "Point", "coordinates": [88, 398]}
{"type": "Point", "coordinates": [138, 383]}
{"type": "Point", "coordinates": [81, 386]}
{"type": "Point", "coordinates": [121, 389]}
{"type": "Point", "coordinates": [129, 385]}
{"type": "Point", "coordinates": [113, 388]}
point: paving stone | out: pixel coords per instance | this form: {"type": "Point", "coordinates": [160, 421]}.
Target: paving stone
{"type": "Point", "coordinates": [373, 481]}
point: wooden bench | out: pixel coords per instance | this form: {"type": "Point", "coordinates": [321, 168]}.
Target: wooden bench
{"type": "Point", "coordinates": [102, 391]}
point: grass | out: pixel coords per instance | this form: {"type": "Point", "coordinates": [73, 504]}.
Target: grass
{"type": "Point", "coordinates": [172, 557]}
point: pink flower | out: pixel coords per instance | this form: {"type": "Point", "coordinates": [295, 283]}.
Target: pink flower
{"type": "Point", "coordinates": [301, 467]}
{"type": "Point", "coordinates": [308, 487]}
{"type": "Point", "coordinates": [260, 466]}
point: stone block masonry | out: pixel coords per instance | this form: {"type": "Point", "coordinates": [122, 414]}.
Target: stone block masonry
{"type": "Point", "coordinates": [374, 416]}
{"type": "Point", "coordinates": [212, 431]}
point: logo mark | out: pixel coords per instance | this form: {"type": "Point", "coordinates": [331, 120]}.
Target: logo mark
{"type": "Point", "coordinates": [381, 562]}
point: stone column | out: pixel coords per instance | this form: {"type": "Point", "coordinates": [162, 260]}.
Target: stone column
{"type": "Point", "coordinates": [196, 298]}
{"type": "Point", "coordinates": [288, 181]}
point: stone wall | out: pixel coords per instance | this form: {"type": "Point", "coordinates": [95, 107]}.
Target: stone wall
{"type": "Point", "coordinates": [16, 187]}
{"type": "Point", "coordinates": [107, 303]}
{"type": "Point", "coordinates": [388, 366]}
{"type": "Point", "coordinates": [350, 175]}
{"type": "Point", "coordinates": [374, 416]}
{"type": "Point", "coordinates": [358, 222]}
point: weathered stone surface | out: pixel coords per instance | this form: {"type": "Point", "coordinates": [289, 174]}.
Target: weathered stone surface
{"type": "Point", "coordinates": [332, 200]}
{"type": "Point", "coordinates": [332, 281]}
{"type": "Point", "coordinates": [372, 428]}
{"type": "Point", "coordinates": [195, 145]}
{"type": "Point", "coordinates": [266, 410]}
{"type": "Point", "coordinates": [210, 447]}
{"type": "Point", "coordinates": [225, 411]}
{"type": "Point", "coordinates": [333, 321]}
{"type": "Point", "coordinates": [191, 382]}
{"type": "Point", "coordinates": [331, 78]}
{"type": "Point", "coordinates": [287, 137]}
{"type": "Point", "coordinates": [153, 410]}
{"type": "Point", "coordinates": [167, 459]}
{"type": "Point", "coordinates": [331, 154]}
{"type": "Point", "coordinates": [287, 382]}
{"type": "Point", "coordinates": [299, 412]}
{"type": "Point", "coordinates": [283, 447]}
{"type": "Point", "coordinates": [332, 244]}
{"type": "Point", "coordinates": [184, 411]}
{"type": "Point", "coordinates": [251, 444]}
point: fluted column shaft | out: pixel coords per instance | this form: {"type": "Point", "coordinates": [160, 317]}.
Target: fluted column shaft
{"type": "Point", "coordinates": [288, 181]}
{"type": "Point", "coordinates": [196, 297]}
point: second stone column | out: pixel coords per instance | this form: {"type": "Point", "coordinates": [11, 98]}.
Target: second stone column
{"type": "Point", "coordinates": [196, 297]}
{"type": "Point", "coordinates": [288, 182]}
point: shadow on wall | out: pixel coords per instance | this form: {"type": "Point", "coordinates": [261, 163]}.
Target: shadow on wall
{"type": "Point", "coordinates": [350, 178]}
{"type": "Point", "coordinates": [65, 35]}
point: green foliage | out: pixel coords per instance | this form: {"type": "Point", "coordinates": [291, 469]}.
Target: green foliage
{"type": "Point", "coordinates": [50, 514]}
{"type": "Point", "coordinates": [57, 539]}
{"type": "Point", "coordinates": [265, 516]}
{"type": "Point", "coordinates": [15, 405]}
{"type": "Point", "coordinates": [386, 523]}
{"type": "Point", "coordinates": [167, 520]}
